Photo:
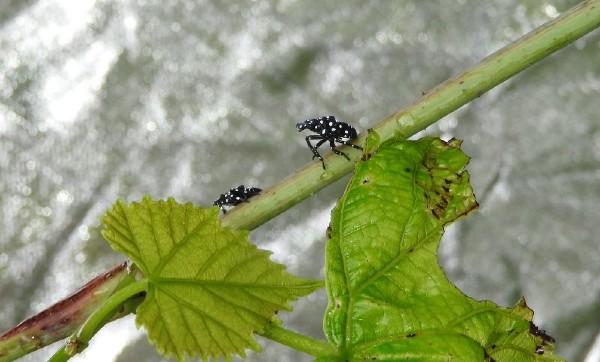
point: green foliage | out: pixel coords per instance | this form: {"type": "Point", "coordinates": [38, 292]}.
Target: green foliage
{"type": "Point", "coordinates": [389, 300]}
{"type": "Point", "coordinates": [209, 288]}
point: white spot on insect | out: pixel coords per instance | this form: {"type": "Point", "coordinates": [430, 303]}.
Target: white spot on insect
{"type": "Point", "coordinates": [333, 129]}
{"type": "Point", "coordinates": [331, 123]}
{"type": "Point", "coordinates": [323, 132]}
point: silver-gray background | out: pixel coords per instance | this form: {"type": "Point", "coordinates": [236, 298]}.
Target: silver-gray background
{"type": "Point", "coordinates": [108, 99]}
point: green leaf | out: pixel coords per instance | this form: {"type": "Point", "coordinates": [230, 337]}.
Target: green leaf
{"type": "Point", "coordinates": [209, 288]}
{"type": "Point", "coordinates": [389, 300]}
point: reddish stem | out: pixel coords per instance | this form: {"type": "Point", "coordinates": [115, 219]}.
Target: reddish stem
{"type": "Point", "coordinates": [61, 319]}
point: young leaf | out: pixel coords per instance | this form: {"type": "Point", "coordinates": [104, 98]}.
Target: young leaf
{"type": "Point", "coordinates": [389, 300]}
{"type": "Point", "coordinates": [209, 288]}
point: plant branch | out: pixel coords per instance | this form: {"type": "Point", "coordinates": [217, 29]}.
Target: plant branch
{"type": "Point", "coordinates": [300, 342]}
{"type": "Point", "coordinates": [437, 103]}
{"type": "Point", "coordinates": [64, 317]}
{"type": "Point", "coordinates": [79, 341]}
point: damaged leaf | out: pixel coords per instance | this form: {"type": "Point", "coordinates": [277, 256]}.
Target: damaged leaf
{"type": "Point", "coordinates": [389, 300]}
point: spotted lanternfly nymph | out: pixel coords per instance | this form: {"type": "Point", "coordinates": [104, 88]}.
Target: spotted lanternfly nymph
{"type": "Point", "coordinates": [328, 129]}
{"type": "Point", "coordinates": [236, 196]}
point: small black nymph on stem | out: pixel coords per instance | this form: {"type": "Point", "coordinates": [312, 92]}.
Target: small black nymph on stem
{"type": "Point", "coordinates": [235, 196]}
{"type": "Point", "coordinates": [328, 129]}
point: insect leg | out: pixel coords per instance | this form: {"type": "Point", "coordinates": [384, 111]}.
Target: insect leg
{"type": "Point", "coordinates": [318, 155]}
{"type": "Point", "coordinates": [347, 143]}
{"type": "Point", "coordinates": [319, 145]}
{"type": "Point", "coordinates": [314, 150]}
{"type": "Point", "coordinates": [336, 151]}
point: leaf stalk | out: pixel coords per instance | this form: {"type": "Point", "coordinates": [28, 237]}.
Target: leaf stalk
{"type": "Point", "coordinates": [79, 341]}
{"type": "Point", "coordinates": [299, 342]}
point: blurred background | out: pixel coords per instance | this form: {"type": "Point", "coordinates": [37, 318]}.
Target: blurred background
{"type": "Point", "coordinates": [108, 99]}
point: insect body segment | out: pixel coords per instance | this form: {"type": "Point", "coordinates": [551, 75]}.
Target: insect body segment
{"type": "Point", "coordinates": [328, 129]}
{"type": "Point", "coordinates": [236, 196]}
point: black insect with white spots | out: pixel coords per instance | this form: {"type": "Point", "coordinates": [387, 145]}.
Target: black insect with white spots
{"type": "Point", "coordinates": [328, 129]}
{"type": "Point", "coordinates": [236, 196]}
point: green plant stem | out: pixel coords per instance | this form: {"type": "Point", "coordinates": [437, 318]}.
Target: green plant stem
{"type": "Point", "coordinates": [79, 341]}
{"type": "Point", "coordinates": [299, 342]}
{"type": "Point", "coordinates": [434, 105]}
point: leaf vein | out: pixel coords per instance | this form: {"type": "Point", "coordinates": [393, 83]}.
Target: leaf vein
{"type": "Point", "coordinates": [203, 313]}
